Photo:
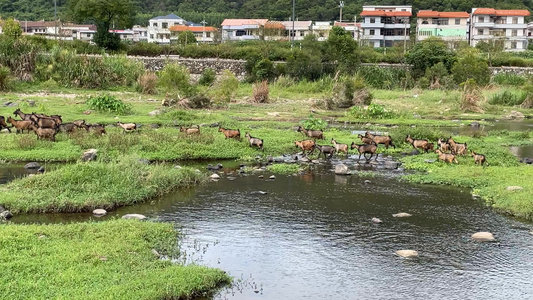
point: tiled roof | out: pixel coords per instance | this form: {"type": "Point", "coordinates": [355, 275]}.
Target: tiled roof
{"type": "Point", "coordinates": [240, 22]}
{"type": "Point", "coordinates": [439, 14]}
{"type": "Point", "coordinates": [25, 24]}
{"type": "Point", "coordinates": [274, 25]}
{"type": "Point", "coordinates": [382, 13]}
{"type": "Point", "coordinates": [501, 12]}
{"type": "Point", "coordinates": [179, 28]}
{"type": "Point", "coordinates": [167, 17]}
{"type": "Point", "coordinates": [288, 24]}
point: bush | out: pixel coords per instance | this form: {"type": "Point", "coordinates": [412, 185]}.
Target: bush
{"type": "Point", "coordinates": [471, 97]}
{"type": "Point", "coordinates": [386, 78]}
{"type": "Point", "coordinates": [109, 103]}
{"type": "Point", "coordinates": [263, 70]}
{"type": "Point", "coordinates": [5, 78]}
{"type": "Point", "coordinates": [429, 53]}
{"type": "Point", "coordinates": [470, 66]}
{"type": "Point", "coordinates": [19, 55]}
{"type": "Point", "coordinates": [105, 39]}
{"type": "Point", "coordinates": [122, 70]}
{"type": "Point", "coordinates": [373, 111]}
{"type": "Point", "coordinates": [176, 78]}
{"type": "Point", "coordinates": [261, 92]}
{"type": "Point", "coordinates": [225, 88]}
{"type": "Point", "coordinates": [508, 98]}
{"type": "Point", "coordinates": [147, 83]}
{"type": "Point", "coordinates": [208, 77]}
{"type": "Point", "coordinates": [509, 79]}
{"type": "Point", "coordinates": [312, 123]}
{"type": "Point", "coordinates": [303, 65]}
{"type": "Point", "coordinates": [436, 75]}
{"type": "Point", "coordinates": [198, 101]}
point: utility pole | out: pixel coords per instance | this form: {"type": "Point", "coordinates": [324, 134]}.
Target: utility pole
{"type": "Point", "coordinates": [55, 18]}
{"type": "Point", "coordinates": [203, 34]}
{"type": "Point", "coordinates": [341, 5]}
{"type": "Point", "coordinates": [293, 33]}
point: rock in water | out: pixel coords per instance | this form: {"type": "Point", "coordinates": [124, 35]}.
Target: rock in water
{"type": "Point", "coordinates": [401, 215]}
{"type": "Point", "coordinates": [32, 165]}
{"type": "Point", "coordinates": [89, 155]}
{"type": "Point", "coordinates": [376, 221]}
{"type": "Point", "coordinates": [215, 176]}
{"type": "Point", "coordinates": [272, 177]}
{"type": "Point", "coordinates": [341, 169]}
{"type": "Point", "coordinates": [99, 212]}
{"type": "Point", "coordinates": [6, 214]}
{"type": "Point", "coordinates": [483, 237]}
{"type": "Point", "coordinates": [134, 216]}
{"type": "Point", "coordinates": [407, 253]}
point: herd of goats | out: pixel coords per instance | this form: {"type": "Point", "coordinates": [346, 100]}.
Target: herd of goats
{"type": "Point", "coordinates": [46, 127]}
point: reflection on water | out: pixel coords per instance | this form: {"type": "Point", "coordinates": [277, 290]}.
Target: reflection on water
{"type": "Point", "coordinates": [522, 151]}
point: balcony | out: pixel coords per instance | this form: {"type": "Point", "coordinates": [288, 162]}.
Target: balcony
{"type": "Point", "coordinates": [483, 25]}
{"type": "Point", "coordinates": [397, 25]}
{"type": "Point", "coordinates": [372, 25]}
{"type": "Point", "coordinates": [372, 37]}
{"type": "Point", "coordinates": [510, 26]}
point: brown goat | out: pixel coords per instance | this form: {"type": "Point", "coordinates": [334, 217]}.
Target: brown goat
{"type": "Point", "coordinates": [254, 141]}
{"type": "Point", "coordinates": [79, 123]}
{"type": "Point", "coordinates": [340, 147]}
{"type": "Point", "coordinates": [325, 149]}
{"type": "Point", "coordinates": [44, 133]}
{"type": "Point", "coordinates": [23, 116]}
{"type": "Point", "coordinates": [364, 149]}
{"type": "Point", "coordinates": [44, 122]}
{"type": "Point", "coordinates": [67, 127]}
{"type": "Point", "coordinates": [381, 139]}
{"type": "Point", "coordinates": [429, 147]}
{"type": "Point", "coordinates": [20, 125]}
{"type": "Point", "coordinates": [95, 128]}
{"type": "Point", "coordinates": [3, 124]}
{"type": "Point", "coordinates": [443, 146]}
{"type": "Point", "coordinates": [315, 134]}
{"type": "Point", "coordinates": [457, 148]}
{"type": "Point", "coordinates": [479, 158]}
{"type": "Point", "coordinates": [191, 130]}
{"type": "Point", "coordinates": [128, 127]}
{"type": "Point", "coordinates": [364, 139]}
{"type": "Point", "coordinates": [446, 157]}
{"type": "Point", "coordinates": [230, 133]}
{"type": "Point", "coordinates": [305, 145]}
{"type": "Point", "coordinates": [422, 144]}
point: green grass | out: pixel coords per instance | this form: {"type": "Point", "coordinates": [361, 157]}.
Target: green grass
{"type": "Point", "coordinates": [105, 260]}
{"type": "Point", "coordinates": [86, 186]}
{"type": "Point", "coordinates": [285, 168]}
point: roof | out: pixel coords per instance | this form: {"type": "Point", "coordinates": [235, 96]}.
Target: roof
{"type": "Point", "coordinates": [382, 13]}
{"type": "Point", "coordinates": [439, 14]}
{"type": "Point", "coordinates": [179, 28]}
{"type": "Point", "coordinates": [274, 25]}
{"type": "Point", "coordinates": [501, 12]}
{"type": "Point", "coordinates": [24, 24]}
{"type": "Point", "coordinates": [346, 24]}
{"type": "Point", "coordinates": [241, 22]}
{"type": "Point", "coordinates": [288, 24]}
{"type": "Point", "coordinates": [167, 17]}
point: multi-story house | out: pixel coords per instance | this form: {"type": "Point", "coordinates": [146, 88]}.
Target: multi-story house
{"type": "Point", "coordinates": [384, 26]}
{"type": "Point", "coordinates": [158, 28]}
{"type": "Point", "coordinates": [203, 34]}
{"type": "Point", "coordinates": [243, 29]}
{"type": "Point", "coordinates": [449, 26]}
{"type": "Point", "coordinates": [140, 34]}
{"type": "Point", "coordinates": [321, 29]}
{"type": "Point", "coordinates": [506, 27]}
{"type": "Point", "coordinates": [353, 28]}
{"type": "Point", "coordinates": [301, 29]}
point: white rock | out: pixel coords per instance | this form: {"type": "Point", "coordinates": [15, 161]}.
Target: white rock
{"type": "Point", "coordinates": [514, 188]}
{"type": "Point", "coordinates": [368, 181]}
{"type": "Point", "coordinates": [376, 221]}
{"type": "Point", "coordinates": [215, 176]}
{"type": "Point", "coordinates": [99, 212]}
{"type": "Point", "coordinates": [134, 216]}
{"type": "Point", "coordinates": [407, 253]}
{"type": "Point", "coordinates": [531, 232]}
{"type": "Point", "coordinates": [89, 155]}
{"type": "Point", "coordinates": [483, 237]}
{"type": "Point", "coordinates": [272, 177]}
{"type": "Point", "coordinates": [401, 215]}
{"type": "Point", "coordinates": [341, 169]}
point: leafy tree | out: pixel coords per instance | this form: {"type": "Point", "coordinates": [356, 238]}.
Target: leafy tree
{"type": "Point", "coordinates": [186, 37]}
{"type": "Point", "coordinates": [12, 29]}
{"type": "Point", "coordinates": [106, 39]}
{"type": "Point", "coordinates": [104, 13]}
{"type": "Point", "coordinates": [428, 53]}
{"type": "Point", "coordinates": [491, 48]}
{"type": "Point", "coordinates": [304, 65]}
{"type": "Point", "coordinates": [341, 47]}
{"type": "Point", "coordinates": [435, 74]}
{"type": "Point", "coordinates": [471, 66]}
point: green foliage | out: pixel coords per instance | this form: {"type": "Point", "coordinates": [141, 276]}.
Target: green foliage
{"type": "Point", "coordinates": [508, 98]}
{"type": "Point", "coordinates": [509, 79]}
{"type": "Point", "coordinates": [374, 111]}
{"type": "Point", "coordinates": [470, 66]}
{"type": "Point", "coordinates": [263, 70]}
{"type": "Point", "coordinates": [429, 53]}
{"type": "Point", "coordinates": [312, 123]}
{"type": "Point", "coordinates": [19, 55]}
{"type": "Point", "coordinates": [471, 97]}
{"type": "Point", "coordinates": [147, 83]}
{"type": "Point", "coordinates": [176, 78]}
{"type": "Point", "coordinates": [386, 78]}
{"type": "Point", "coordinates": [225, 88]}
{"type": "Point", "coordinates": [284, 168]}
{"type": "Point", "coordinates": [341, 48]}
{"type": "Point", "coordinates": [303, 65]}
{"type": "Point", "coordinates": [12, 29]}
{"type": "Point", "coordinates": [436, 75]}
{"type": "Point", "coordinates": [108, 103]}
{"type": "Point", "coordinates": [186, 37]}
{"type": "Point", "coordinates": [5, 79]}
{"type": "Point", "coordinates": [208, 77]}
{"type": "Point", "coordinates": [106, 40]}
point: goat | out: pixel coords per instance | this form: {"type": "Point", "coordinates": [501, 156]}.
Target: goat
{"type": "Point", "coordinates": [230, 133]}
{"type": "Point", "coordinates": [56, 118]}
{"type": "Point", "coordinates": [479, 158]}
{"type": "Point", "coordinates": [305, 145]}
{"type": "Point", "coordinates": [46, 133]}
{"type": "Point", "coordinates": [340, 147]}
{"type": "Point", "coordinates": [364, 149]}
{"type": "Point", "coordinates": [79, 123]}
{"type": "Point", "coordinates": [316, 134]}
{"type": "Point", "coordinates": [364, 139]}
{"type": "Point", "coordinates": [190, 130]}
{"type": "Point", "coordinates": [443, 146]}
{"type": "Point", "coordinates": [429, 147]}
{"type": "Point", "coordinates": [3, 124]}
{"type": "Point", "coordinates": [457, 148]}
{"type": "Point", "coordinates": [67, 127]}
{"type": "Point", "coordinates": [422, 144]}
{"type": "Point", "coordinates": [20, 125]}
{"type": "Point", "coordinates": [23, 116]}
{"type": "Point", "coordinates": [95, 128]}
{"type": "Point", "coordinates": [128, 127]}
{"type": "Point", "coordinates": [380, 139]}
{"type": "Point", "coordinates": [254, 141]}
{"type": "Point", "coordinates": [325, 149]}
{"type": "Point", "coordinates": [44, 122]}
{"type": "Point", "coordinates": [446, 157]}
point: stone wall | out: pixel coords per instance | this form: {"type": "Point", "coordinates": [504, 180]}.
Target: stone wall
{"type": "Point", "coordinates": [195, 66]}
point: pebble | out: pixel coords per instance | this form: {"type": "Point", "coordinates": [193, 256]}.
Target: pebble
{"type": "Point", "coordinates": [376, 221]}
{"type": "Point", "coordinates": [99, 212]}
{"type": "Point", "coordinates": [407, 253]}
{"type": "Point", "coordinates": [134, 216]}
{"type": "Point", "coordinates": [401, 215]}
{"type": "Point", "coordinates": [260, 176]}
{"type": "Point", "coordinates": [272, 177]}
{"type": "Point", "coordinates": [215, 176]}
{"type": "Point", "coordinates": [483, 237]}
{"type": "Point", "coordinates": [514, 188]}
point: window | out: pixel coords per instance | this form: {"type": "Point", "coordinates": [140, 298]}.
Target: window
{"type": "Point", "coordinates": [372, 20]}
{"type": "Point", "coordinates": [514, 32]}
{"type": "Point", "coordinates": [457, 21]}
{"type": "Point", "coordinates": [154, 25]}
{"type": "Point", "coordinates": [302, 33]}
{"type": "Point", "coordinates": [513, 45]}
{"type": "Point", "coordinates": [240, 32]}
{"type": "Point", "coordinates": [372, 32]}
{"type": "Point", "coordinates": [88, 35]}
{"type": "Point", "coordinates": [515, 20]}
{"type": "Point", "coordinates": [480, 31]}
{"type": "Point", "coordinates": [151, 36]}
{"type": "Point", "coordinates": [481, 19]}
{"type": "Point", "coordinates": [208, 34]}
{"type": "Point", "coordinates": [164, 25]}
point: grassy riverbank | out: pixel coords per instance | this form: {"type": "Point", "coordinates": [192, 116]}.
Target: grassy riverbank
{"type": "Point", "coordinates": [86, 186]}
{"type": "Point", "coordinates": [105, 260]}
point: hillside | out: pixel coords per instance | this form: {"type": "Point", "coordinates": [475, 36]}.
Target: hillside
{"type": "Point", "coordinates": [214, 11]}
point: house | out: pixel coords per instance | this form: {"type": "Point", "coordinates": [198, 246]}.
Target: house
{"type": "Point", "coordinates": [506, 27]}
{"type": "Point", "coordinates": [243, 29]}
{"type": "Point", "coordinates": [203, 34]}
{"type": "Point", "coordinates": [85, 34]}
{"type": "Point", "coordinates": [353, 28]}
{"type": "Point", "coordinates": [140, 34]}
{"type": "Point", "coordinates": [158, 28]}
{"type": "Point", "coordinates": [39, 27]}
{"type": "Point", "coordinates": [301, 29]}
{"type": "Point", "coordinates": [321, 29]}
{"type": "Point", "coordinates": [384, 26]}
{"type": "Point", "coordinates": [450, 26]}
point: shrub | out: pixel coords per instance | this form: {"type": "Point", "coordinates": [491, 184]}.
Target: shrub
{"type": "Point", "coordinates": [285, 82]}
{"type": "Point", "coordinates": [196, 102]}
{"type": "Point", "coordinates": [470, 66]}
{"type": "Point", "coordinates": [509, 79]}
{"type": "Point", "coordinates": [436, 75]}
{"type": "Point", "coordinates": [263, 70]}
{"type": "Point", "coordinates": [105, 39]}
{"type": "Point", "coordinates": [225, 88]}
{"type": "Point", "coordinates": [347, 91]}
{"type": "Point", "coordinates": [429, 53]}
{"type": "Point", "coordinates": [261, 92]}
{"type": "Point", "coordinates": [508, 98]}
{"type": "Point", "coordinates": [471, 97]}
{"type": "Point", "coordinates": [373, 111]}
{"type": "Point", "coordinates": [302, 65]}
{"type": "Point", "coordinates": [5, 79]}
{"type": "Point", "coordinates": [19, 55]}
{"type": "Point", "coordinates": [26, 142]}
{"type": "Point", "coordinates": [528, 102]}
{"type": "Point", "coordinates": [108, 103]}
{"type": "Point", "coordinates": [208, 77]}
{"type": "Point", "coordinates": [147, 83]}
{"type": "Point", "coordinates": [312, 123]}
{"type": "Point", "coordinates": [386, 78]}
{"type": "Point", "coordinates": [122, 70]}
{"type": "Point", "coordinates": [176, 78]}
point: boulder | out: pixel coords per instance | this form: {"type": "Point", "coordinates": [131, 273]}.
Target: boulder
{"type": "Point", "coordinates": [527, 160]}
{"type": "Point", "coordinates": [231, 178]}
{"type": "Point", "coordinates": [407, 253]}
{"type": "Point", "coordinates": [391, 165]}
{"type": "Point", "coordinates": [99, 212]}
{"type": "Point", "coordinates": [272, 177]}
{"type": "Point", "coordinates": [154, 113]}
{"type": "Point", "coordinates": [474, 124]}
{"type": "Point", "coordinates": [514, 188]}
{"type": "Point", "coordinates": [515, 115]}
{"type": "Point", "coordinates": [215, 176]}
{"type": "Point", "coordinates": [31, 103]}
{"type": "Point", "coordinates": [6, 214]}
{"type": "Point", "coordinates": [483, 237]}
{"type": "Point", "coordinates": [304, 159]}
{"type": "Point", "coordinates": [32, 165]}
{"type": "Point", "coordinates": [40, 170]}
{"type": "Point", "coordinates": [10, 104]}
{"type": "Point", "coordinates": [401, 215]}
{"type": "Point", "coordinates": [178, 167]}
{"type": "Point", "coordinates": [341, 169]}
{"type": "Point", "coordinates": [89, 155]}
{"type": "Point", "coordinates": [376, 221]}
{"type": "Point", "coordinates": [134, 216]}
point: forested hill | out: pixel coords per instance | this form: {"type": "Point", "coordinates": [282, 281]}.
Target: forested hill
{"type": "Point", "coordinates": [214, 11]}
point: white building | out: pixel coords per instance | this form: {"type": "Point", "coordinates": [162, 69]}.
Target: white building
{"type": "Point", "coordinates": [383, 26]}
{"type": "Point", "coordinates": [301, 29]}
{"type": "Point", "coordinates": [140, 34]}
{"type": "Point", "coordinates": [243, 29]}
{"type": "Point", "coordinates": [353, 28]}
{"type": "Point", "coordinates": [158, 28]}
{"type": "Point", "coordinates": [203, 34]}
{"type": "Point", "coordinates": [321, 29]}
{"type": "Point", "coordinates": [449, 26]}
{"type": "Point", "coordinates": [504, 26]}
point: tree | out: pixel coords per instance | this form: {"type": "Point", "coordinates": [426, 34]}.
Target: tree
{"type": "Point", "coordinates": [186, 37]}
{"type": "Point", "coordinates": [341, 47]}
{"type": "Point", "coordinates": [104, 13]}
{"type": "Point", "coordinates": [429, 53]}
{"type": "Point", "coordinates": [471, 66]}
{"type": "Point", "coordinates": [12, 29]}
